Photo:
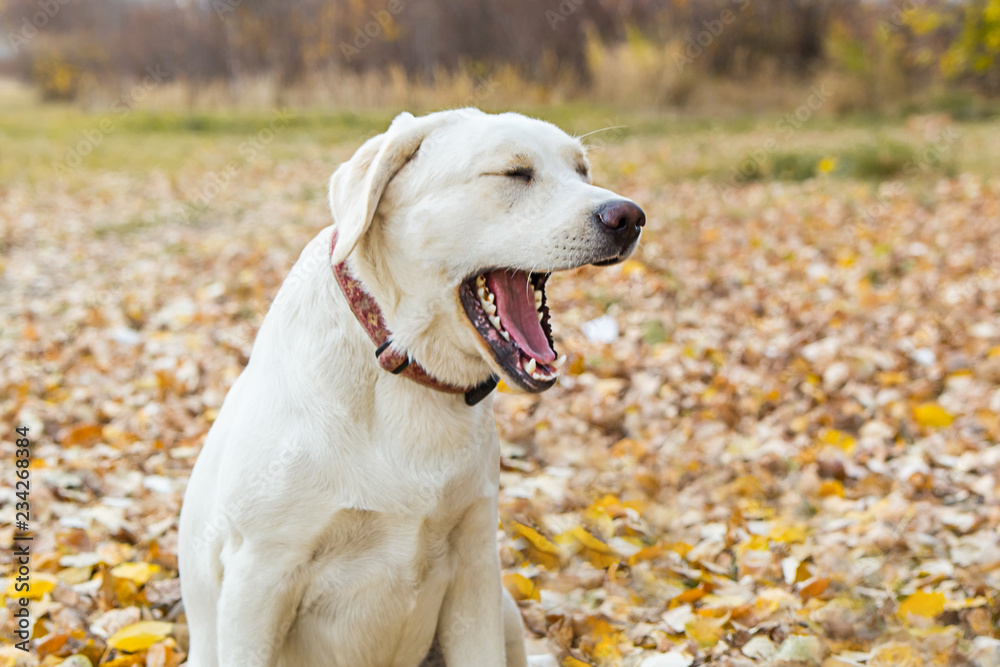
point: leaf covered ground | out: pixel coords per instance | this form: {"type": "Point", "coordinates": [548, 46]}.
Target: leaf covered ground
{"type": "Point", "coordinates": [776, 442]}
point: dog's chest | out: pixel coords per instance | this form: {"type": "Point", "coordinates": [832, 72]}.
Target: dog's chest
{"type": "Point", "coordinates": [425, 469]}
{"type": "Point", "coordinates": [376, 585]}
{"type": "Point", "coordinates": [379, 569]}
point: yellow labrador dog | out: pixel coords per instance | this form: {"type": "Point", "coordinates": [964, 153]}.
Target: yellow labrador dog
{"type": "Point", "coordinates": [343, 511]}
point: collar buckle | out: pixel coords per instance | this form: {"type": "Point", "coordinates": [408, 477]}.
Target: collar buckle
{"type": "Point", "coordinates": [481, 391]}
{"type": "Point", "coordinates": [391, 360]}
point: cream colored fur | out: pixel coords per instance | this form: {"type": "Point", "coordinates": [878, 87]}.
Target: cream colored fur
{"type": "Point", "coordinates": [339, 515]}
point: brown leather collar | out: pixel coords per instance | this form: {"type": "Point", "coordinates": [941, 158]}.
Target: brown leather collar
{"type": "Point", "coordinates": [369, 315]}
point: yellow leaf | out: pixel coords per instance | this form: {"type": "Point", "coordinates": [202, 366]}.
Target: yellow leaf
{"type": "Point", "coordinates": [139, 573]}
{"type": "Point", "coordinates": [83, 435]}
{"type": "Point", "coordinates": [75, 575]}
{"type": "Point", "coordinates": [611, 506]}
{"type": "Point", "coordinates": [588, 540]}
{"type": "Point", "coordinates": [541, 550]}
{"type": "Point", "coordinates": [631, 266]}
{"type": "Point", "coordinates": [835, 438]}
{"type": "Point", "coordinates": [705, 630]}
{"type": "Point", "coordinates": [39, 584]}
{"type": "Point", "coordinates": [831, 487]}
{"type": "Point", "coordinates": [117, 437]}
{"type": "Point", "coordinates": [826, 165]}
{"type": "Point", "coordinates": [657, 550]}
{"type": "Point", "coordinates": [537, 540]}
{"type": "Point", "coordinates": [598, 553]}
{"type": "Point", "coordinates": [520, 587]}
{"type": "Point", "coordinates": [649, 553]}
{"type": "Point", "coordinates": [680, 548]}
{"type": "Point", "coordinates": [815, 587]}
{"type": "Point", "coordinates": [570, 661]}
{"type": "Point", "coordinates": [890, 378]}
{"type": "Point", "coordinates": [788, 533]}
{"type": "Point", "coordinates": [691, 594]}
{"type": "Point", "coordinates": [924, 604]}
{"type": "Point", "coordinates": [51, 643]}
{"type": "Point", "coordinates": [755, 543]}
{"type": "Point", "coordinates": [606, 651]}
{"type": "Point", "coordinates": [894, 654]}
{"type": "Point", "coordinates": [139, 636]}
{"type": "Point", "coordinates": [932, 415]}
{"type": "Point", "coordinates": [747, 486]}
{"type": "Point", "coordinates": [802, 572]}
{"type": "Point", "coordinates": [601, 506]}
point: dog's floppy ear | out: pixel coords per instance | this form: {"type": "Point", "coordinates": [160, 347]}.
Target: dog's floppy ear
{"type": "Point", "coordinates": [357, 185]}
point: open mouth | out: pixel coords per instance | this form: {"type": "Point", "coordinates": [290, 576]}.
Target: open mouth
{"type": "Point", "coordinates": [508, 309]}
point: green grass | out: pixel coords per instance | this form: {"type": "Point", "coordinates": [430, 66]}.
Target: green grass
{"type": "Point", "coordinates": [41, 142]}
{"type": "Point", "coordinates": [874, 160]}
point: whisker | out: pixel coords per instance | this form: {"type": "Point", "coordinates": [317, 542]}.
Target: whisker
{"type": "Point", "coordinates": [603, 129]}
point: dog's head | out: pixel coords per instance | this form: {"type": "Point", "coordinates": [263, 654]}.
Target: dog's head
{"type": "Point", "coordinates": [455, 220]}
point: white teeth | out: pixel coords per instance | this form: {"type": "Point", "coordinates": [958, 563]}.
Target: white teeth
{"type": "Point", "coordinates": [486, 300]}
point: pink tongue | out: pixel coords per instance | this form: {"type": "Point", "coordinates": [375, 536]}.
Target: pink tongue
{"type": "Point", "coordinates": [516, 308]}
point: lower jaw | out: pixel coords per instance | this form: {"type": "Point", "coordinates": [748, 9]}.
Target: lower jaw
{"type": "Point", "coordinates": [505, 354]}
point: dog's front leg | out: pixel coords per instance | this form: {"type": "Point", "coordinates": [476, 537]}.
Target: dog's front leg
{"type": "Point", "coordinates": [513, 631]}
{"type": "Point", "coordinates": [257, 605]}
{"type": "Point", "coordinates": [471, 625]}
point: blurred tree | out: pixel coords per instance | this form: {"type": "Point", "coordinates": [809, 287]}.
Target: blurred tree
{"type": "Point", "coordinates": [975, 54]}
{"type": "Point", "coordinates": [889, 48]}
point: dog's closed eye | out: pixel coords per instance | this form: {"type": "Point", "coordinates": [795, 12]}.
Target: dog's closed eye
{"type": "Point", "coordinates": [525, 174]}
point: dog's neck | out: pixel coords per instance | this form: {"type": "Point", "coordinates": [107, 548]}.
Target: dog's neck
{"type": "Point", "coordinates": [391, 358]}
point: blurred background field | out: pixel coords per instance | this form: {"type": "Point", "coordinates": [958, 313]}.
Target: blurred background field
{"type": "Point", "coordinates": [713, 57]}
{"type": "Point", "coordinates": [866, 85]}
{"type": "Point", "coordinates": [43, 140]}
{"type": "Point", "coordinates": [776, 442]}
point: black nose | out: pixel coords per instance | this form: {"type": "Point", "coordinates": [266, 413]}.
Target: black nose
{"type": "Point", "coordinates": [621, 215]}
